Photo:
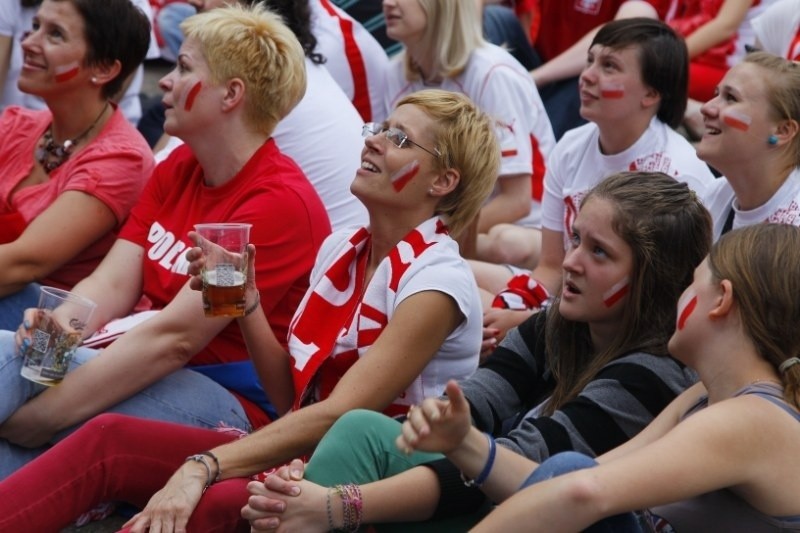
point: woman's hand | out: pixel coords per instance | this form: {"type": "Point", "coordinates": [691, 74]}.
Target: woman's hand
{"type": "Point", "coordinates": [24, 333]}
{"type": "Point", "coordinates": [436, 425]}
{"type": "Point", "coordinates": [278, 504]}
{"type": "Point", "coordinates": [197, 261]}
{"type": "Point", "coordinates": [170, 508]}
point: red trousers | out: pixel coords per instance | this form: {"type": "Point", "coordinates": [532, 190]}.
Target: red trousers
{"type": "Point", "coordinates": [116, 458]}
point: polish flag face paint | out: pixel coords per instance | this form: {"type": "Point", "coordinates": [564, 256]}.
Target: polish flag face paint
{"type": "Point", "coordinates": [736, 120]}
{"type": "Point", "coordinates": [685, 309]}
{"type": "Point", "coordinates": [401, 178]}
{"type": "Point", "coordinates": [190, 97]}
{"type": "Point", "coordinates": [616, 293]}
{"type": "Point", "coordinates": [67, 72]}
{"type": "Point", "coordinates": [612, 91]}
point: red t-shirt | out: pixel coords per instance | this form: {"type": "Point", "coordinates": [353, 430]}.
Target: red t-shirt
{"type": "Point", "coordinates": [564, 22]}
{"type": "Point", "coordinates": [289, 224]}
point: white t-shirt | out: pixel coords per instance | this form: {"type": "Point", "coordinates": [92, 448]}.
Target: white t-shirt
{"type": "Point", "coordinates": [444, 271]}
{"type": "Point", "coordinates": [355, 59]}
{"type": "Point", "coordinates": [745, 34]}
{"type": "Point", "coordinates": [322, 134]}
{"type": "Point", "coordinates": [576, 165]}
{"type": "Point", "coordinates": [130, 104]}
{"type": "Point", "coordinates": [15, 20]}
{"type": "Point", "coordinates": [778, 29]}
{"type": "Point", "coordinates": [502, 88]}
{"type": "Point", "coordinates": [782, 208]}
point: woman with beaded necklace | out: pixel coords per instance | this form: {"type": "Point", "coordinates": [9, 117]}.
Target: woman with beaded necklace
{"type": "Point", "coordinates": [78, 165]}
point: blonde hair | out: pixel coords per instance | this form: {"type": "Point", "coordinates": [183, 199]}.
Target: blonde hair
{"type": "Point", "coordinates": [252, 44]}
{"type": "Point", "coordinates": [762, 262]}
{"type": "Point", "coordinates": [465, 137]}
{"type": "Point", "coordinates": [783, 92]}
{"type": "Point", "coordinates": [453, 31]}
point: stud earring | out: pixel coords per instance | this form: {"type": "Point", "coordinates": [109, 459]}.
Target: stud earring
{"type": "Point", "coordinates": [94, 80]}
{"type": "Point", "coordinates": [772, 140]}
{"type": "Point", "coordinates": [430, 191]}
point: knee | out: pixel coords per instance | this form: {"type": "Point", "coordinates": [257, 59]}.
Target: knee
{"type": "Point", "coordinates": [355, 423]}
{"type": "Point", "coordinates": [559, 464]}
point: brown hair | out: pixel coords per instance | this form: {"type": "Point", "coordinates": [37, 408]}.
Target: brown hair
{"type": "Point", "coordinates": [669, 233]}
{"type": "Point", "coordinates": [762, 262]}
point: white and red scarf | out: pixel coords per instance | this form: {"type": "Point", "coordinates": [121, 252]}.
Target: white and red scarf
{"type": "Point", "coordinates": [339, 318]}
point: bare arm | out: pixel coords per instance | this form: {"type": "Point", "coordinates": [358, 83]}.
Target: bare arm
{"type": "Point", "coordinates": [722, 27]}
{"type": "Point", "coordinates": [571, 61]}
{"type": "Point", "coordinates": [548, 271]}
{"type": "Point", "coordinates": [81, 218]}
{"type": "Point", "coordinates": [708, 451]}
{"type": "Point", "coordinates": [139, 358]}
{"type": "Point", "coordinates": [512, 202]}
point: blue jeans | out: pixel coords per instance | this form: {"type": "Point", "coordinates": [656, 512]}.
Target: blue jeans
{"type": "Point", "coordinates": [502, 27]}
{"type": "Point", "coordinates": [13, 305]}
{"type": "Point", "coordinates": [565, 462]}
{"type": "Point", "coordinates": [184, 397]}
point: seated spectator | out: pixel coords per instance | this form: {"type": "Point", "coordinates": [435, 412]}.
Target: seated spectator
{"type": "Point", "coordinates": [564, 34]}
{"type": "Point", "coordinates": [633, 91]}
{"type": "Point", "coordinates": [76, 165]}
{"type": "Point", "coordinates": [444, 48]}
{"type": "Point", "coordinates": [778, 29]}
{"type": "Point", "coordinates": [722, 456]}
{"type": "Point", "coordinates": [752, 136]}
{"type": "Point", "coordinates": [217, 91]}
{"type": "Point", "coordinates": [392, 313]}
{"type": "Point", "coordinates": [588, 374]}
{"type": "Point", "coordinates": [305, 133]}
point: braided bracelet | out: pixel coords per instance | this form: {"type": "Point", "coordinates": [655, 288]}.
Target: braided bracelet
{"type": "Point", "coordinates": [352, 506]}
{"type": "Point", "coordinates": [487, 468]}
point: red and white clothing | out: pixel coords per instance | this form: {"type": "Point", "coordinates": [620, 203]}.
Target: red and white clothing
{"type": "Point", "coordinates": [322, 134]}
{"type": "Point", "coordinates": [577, 165]}
{"type": "Point", "coordinates": [564, 22]}
{"type": "Point", "coordinates": [269, 192]}
{"type": "Point", "coordinates": [707, 69]}
{"type": "Point", "coordinates": [113, 168]}
{"type": "Point", "coordinates": [339, 318]}
{"type": "Point", "coordinates": [778, 29]}
{"type": "Point", "coordinates": [355, 59]}
{"type": "Point", "coordinates": [503, 89]}
{"type": "Point", "coordinates": [782, 208]}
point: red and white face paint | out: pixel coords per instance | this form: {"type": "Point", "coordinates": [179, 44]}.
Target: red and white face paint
{"type": "Point", "coordinates": [67, 72]}
{"type": "Point", "coordinates": [736, 119]}
{"type": "Point", "coordinates": [612, 90]}
{"type": "Point", "coordinates": [686, 306]}
{"type": "Point", "coordinates": [191, 95]}
{"type": "Point", "coordinates": [617, 292]}
{"type": "Point", "coordinates": [402, 177]}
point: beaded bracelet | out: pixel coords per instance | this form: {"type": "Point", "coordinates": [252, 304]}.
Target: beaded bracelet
{"type": "Point", "coordinates": [487, 468]}
{"type": "Point", "coordinates": [352, 506]}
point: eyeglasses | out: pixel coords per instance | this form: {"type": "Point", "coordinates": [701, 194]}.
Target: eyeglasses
{"type": "Point", "coordinates": [396, 136]}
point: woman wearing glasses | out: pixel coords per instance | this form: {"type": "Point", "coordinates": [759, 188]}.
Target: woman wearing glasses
{"type": "Point", "coordinates": [392, 312]}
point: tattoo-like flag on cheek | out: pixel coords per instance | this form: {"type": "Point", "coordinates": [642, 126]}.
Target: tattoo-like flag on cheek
{"type": "Point", "coordinates": [192, 95]}
{"type": "Point", "coordinates": [401, 178]}
{"type": "Point", "coordinates": [67, 72]}
{"type": "Point", "coordinates": [617, 292]}
{"type": "Point", "coordinates": [737, 120]}
{"type": "Point", "coordinates": [686, 308]}
{"type": "Point", "coordinates": [612, 90]}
